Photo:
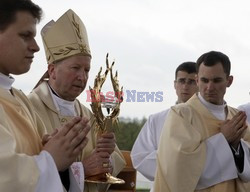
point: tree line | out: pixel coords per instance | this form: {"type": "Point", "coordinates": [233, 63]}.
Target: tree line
{"type": "Point", "coordinates": [127, 132]}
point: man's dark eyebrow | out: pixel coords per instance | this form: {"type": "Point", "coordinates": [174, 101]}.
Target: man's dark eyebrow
{"type": "Point", "coordinates": [27, 33]}
{"type": "Point", "coordinates": [212, 78]}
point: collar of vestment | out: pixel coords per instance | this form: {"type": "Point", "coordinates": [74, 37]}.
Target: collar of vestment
{"type": "Point", "coordinates": [6, 81]}
{"type": "Point", "coordinates": [217, 110]}
{"type": "Point", "coordinates": [66, 108]}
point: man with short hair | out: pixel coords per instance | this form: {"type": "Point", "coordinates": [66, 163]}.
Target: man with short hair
{"type": "Point", "coordinates": [143, 153]}
{"type": "Point", "coordinates": [25, 163]}
{"type": "Point", "coordinates": [204, 144]}
{"type": "Point", "coordinates": [68, 57]}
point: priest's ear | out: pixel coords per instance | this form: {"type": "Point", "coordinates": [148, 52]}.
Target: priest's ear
{"type": "Point", "coordinates": [51, 70]}
{"type": "Point", "coordinates": [229, 80]}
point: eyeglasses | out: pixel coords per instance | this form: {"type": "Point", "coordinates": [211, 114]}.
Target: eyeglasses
{"type": "Point", "coordinates": [183, 81]}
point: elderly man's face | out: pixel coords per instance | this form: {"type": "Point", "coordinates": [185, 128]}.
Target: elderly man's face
{"type": "Point", "coordinates": [212, 82]}
{"type": "Point", "coordinates": [69, 76]}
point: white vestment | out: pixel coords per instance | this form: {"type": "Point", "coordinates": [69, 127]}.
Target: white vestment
{"type": "Point", "coordinates": [143, 153]}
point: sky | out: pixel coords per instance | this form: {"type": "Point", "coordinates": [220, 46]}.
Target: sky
{"type": "Point", "coordinates": [148, 39]}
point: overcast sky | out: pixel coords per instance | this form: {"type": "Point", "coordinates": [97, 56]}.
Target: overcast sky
{"type": "Point", "coordinates": [148, 39]}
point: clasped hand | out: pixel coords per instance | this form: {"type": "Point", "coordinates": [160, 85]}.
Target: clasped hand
{"type": "Point", "coordinates": [65, 144]}
{"type": "Point", "coordinates": [234, 129]}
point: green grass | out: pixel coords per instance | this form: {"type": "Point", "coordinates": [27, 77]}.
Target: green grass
{"type": "Point", "coordinates": [142, 190]}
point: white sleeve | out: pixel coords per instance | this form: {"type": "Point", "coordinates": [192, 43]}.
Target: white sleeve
{"type": "Point", "coordinates": [49, 179]}
{"type": "Point", "coordinates": [143, 153]}
{"type": "Point", "coordinates": [245, 175]}
{"type": "Point", "coordinates": [220, 165]}
{"type": "Point", "coordinates": [76, 176]}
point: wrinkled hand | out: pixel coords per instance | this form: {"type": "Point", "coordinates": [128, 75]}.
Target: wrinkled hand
{"type": "Point", "coordinates": [67, 143]}
{"type": "Point", "coordinates": [93, 164]}
{"type": "Point", "coordinates": [233, 129]}
{"type": "Point", "coordinates": [106, 143]}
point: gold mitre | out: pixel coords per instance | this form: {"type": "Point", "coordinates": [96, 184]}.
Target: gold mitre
{"type": "Point", "coordinates": [65, 37]}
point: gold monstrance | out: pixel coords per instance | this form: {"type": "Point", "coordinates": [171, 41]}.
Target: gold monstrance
{"type": "Point", "coordinates": [105, 123]}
